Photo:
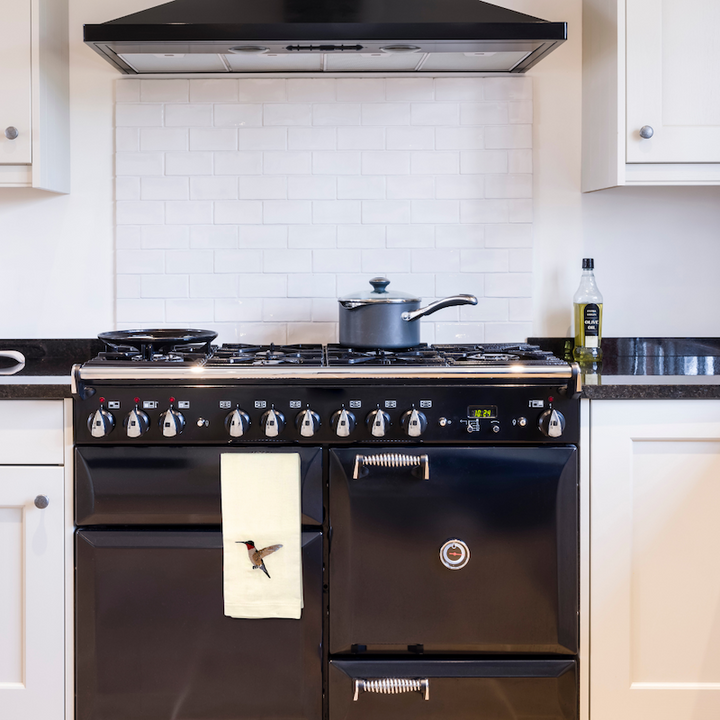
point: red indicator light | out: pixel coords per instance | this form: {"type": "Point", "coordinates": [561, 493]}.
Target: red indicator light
{"type": "Point", "coordinates": [172, 399]}
{"type": "Point", "coordinates": [137, 400]}
{"type": "Point", "coordinates": [551, 399]}
{"type": "Point", "coordinates": [102, 400]}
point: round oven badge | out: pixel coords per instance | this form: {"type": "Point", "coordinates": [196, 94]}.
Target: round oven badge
{"type": "Point", "coordinates": [454, 554]}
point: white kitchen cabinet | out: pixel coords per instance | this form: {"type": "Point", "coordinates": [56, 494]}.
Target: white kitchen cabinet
{"type": "Point", "coordinates": [654, 559]}
{"type": "Point", "coordinates": [650, 64]}
{"type": "Point", "coordinates": [34, 94]}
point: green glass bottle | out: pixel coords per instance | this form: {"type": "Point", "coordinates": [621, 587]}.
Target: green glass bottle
{"type": "Point", "coordinates": [588, 309]}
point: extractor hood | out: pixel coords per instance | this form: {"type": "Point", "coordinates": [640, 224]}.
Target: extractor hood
{"type": "Point", "coordinates": [316, 36]}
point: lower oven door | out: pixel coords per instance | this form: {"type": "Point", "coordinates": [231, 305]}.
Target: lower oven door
{"type": "Point", "coordinates": [461, 690]}
{"type": "Point", "coordinates": [152, 640]}
{"type": "Point", "coordinates": [454, 550]}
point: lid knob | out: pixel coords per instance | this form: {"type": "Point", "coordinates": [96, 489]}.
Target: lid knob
{"type": "Point", "coordinates": [379, 284]}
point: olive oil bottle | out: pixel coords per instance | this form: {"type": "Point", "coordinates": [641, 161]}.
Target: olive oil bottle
{"type": "Point", "coordinates": [588, 308]}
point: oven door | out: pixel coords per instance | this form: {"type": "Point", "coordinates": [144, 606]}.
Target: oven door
{"type": "Point", "coordinates": [152, 640]}
{"type": "Point", "coordinates": [480, 557]}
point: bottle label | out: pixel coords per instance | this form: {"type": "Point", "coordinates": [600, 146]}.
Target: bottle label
{"type": "Point", "coordinates": [591, 321]}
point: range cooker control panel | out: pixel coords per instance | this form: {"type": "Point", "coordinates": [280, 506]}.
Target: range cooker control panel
{"type": "Point", "coordinates": [327, 414]}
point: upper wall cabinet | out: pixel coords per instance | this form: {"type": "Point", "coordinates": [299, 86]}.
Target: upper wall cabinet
{"type": "Point", "coordinates": [34, 90]}
{"type": "Point", "coordinates": [651, 99]}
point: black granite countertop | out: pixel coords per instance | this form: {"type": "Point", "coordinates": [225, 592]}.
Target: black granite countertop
{"type": "Point", "coordinates": [648, 368]}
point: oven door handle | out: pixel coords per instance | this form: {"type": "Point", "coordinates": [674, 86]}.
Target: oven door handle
{"type": "Point", "coordinates": [392, 460]}
{"type": "Point", "coordinates": [392, 686]}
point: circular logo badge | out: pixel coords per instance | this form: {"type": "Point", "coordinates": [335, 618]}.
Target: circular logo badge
{"type": "Point", "coordinates": [454, 554]}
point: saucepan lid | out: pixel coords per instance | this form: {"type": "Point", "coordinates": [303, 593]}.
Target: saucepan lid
{"type": "Point", "coordinates": [379, 294]}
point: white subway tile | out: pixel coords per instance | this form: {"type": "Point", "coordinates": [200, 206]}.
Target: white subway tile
{"type": "Point", "coordinates": [520, 309]}
{"type": "Point", "coordinates": [311, 89]}
{"type": "Point", "coordinates": [508, 284]}
{"type": "Point", "coordinates": [287, 114]}
{"type": "Point", "coordinates": [262, 285]}
{"type": "Point", "coordinates": [335, 261]}
{"type": "Point", "coordinates": [266, 138]}
{"type": "Point", "coordinates": [336, 114]}
{"type": "Point", "coordinates": [140, 311]}
{"type": "Point", "coordinates": [138, 115]}
{"type": "Point", "coordinates": [311, 285]}
{"type": "Point", "coordinates": [127, 90]}
{"type": "Point", "coordinates": [360, 89]}
{"type": "Point", "coordinates": [336, 163]}
{"type": "Point", "coordinates": [410, 138]}
{"type": "Point", "coordinates": [485, 113]}
{"type": "Point", "coordinates": [435, 261]}
{"type": "Point", "coordinates": [165, 188]}
{"type": "Point", "coordinates": [317, 187]}
{"type": "Point", "coordinates": [484, 161]}
{"type": "Point", "coordinates": [421, 285]}
{"type": "Point", "coordinates": [361, 236]}
{"type": "Point", "coordinates": [188, 312]}
{"type": "Point", "coordinates": [127, 188]}
{"type": "Point", "coordinates": [238, 212]}
{"type": "Point", "coordinates": [389, 162]}
{"type": "Point", "coordinates": [259, 333]}
{"type": "Point", "coordinates": [213, 139]}
{"type": "Point", "coordinates": [460, 236]}
{"type": "Point", "coordinates": [410, 236]}
{"type": "Point", "coordinates": [165, 91]}
{"type": "Point", "coordinates": [213, 236]}
{"type": "Point", "coordinates": [213, 90]}
{"type": "Point", "coordinates": [128, 286]}
{"type": "Point", "coordinates": [287, 310]}
{"type": "Point", "coordinates": [139, 212]}
{"type": "Point", "coordinates": [386, 211]}
{"type": "Point", "coordinates": [435, 211]}
{"type": "Point", "coordinates": [411, 187]}
{"type": "Point", "coordinates": [128, 237]}
{"type": "Point", "coordinates": [486, 310]}
{"type": "Point", "coordinates": [449, 333]}
{"type": "Point", "coordinates": [459, 186]}
{"type": "Point", "coordinates": [386, 114]}
{"type": "Point", "coordinates": [291, 162]}
{"type": "Point", "coordinates": [521, 112]}
{"type": "Point", "coordinates": [336, 211]}
{"type": "Point", "coordinates": [245, 115]}
{"type": "Point", "coordinates": [213, 188]}
{"type": "Point", "coordinates": [238, 310]}
{"type": "Point", "coordinates": [507, 332]}
{"type": "Point", "coordinates": [508, 236]}
{"type": "Point", "coordinates": [386, 262]}
{"type": "Point", "coordinates": [163, 139]}
{"type": "Point", "coordinates": [165, 286]}
{"type": "Point", "coordinates": [252, 187]}
{"type": "Point", "coordinates": [262, 90]}
{"type": "Point", "coordinates": [427, 332]}
{"type": "Point", "coordinates": [447, 284]}
{"type": "Point", "coordinates": [238, 261]}
{"type": "Point", "coordinates": [325, 310]}
{"type": "Point", "coordinates": [434, 163]}
{"type": "Point", "coordinates": [520, 161]}
{"type": "Point", "coordinates": [262, 236]}
{"type": "Point", "coordinates": [508, 136]}
{"type": "Point", "coordinates": [287, 212]}
{"type": "Point", "coordinates": [127, 163]}
{"type": "Point", "coordinates": [287, 261]}
{"type": "Point", "coordinates": [520, 211]}
{"type": "Point", "coordinates": [484, 261]}
{"type": "Point", "coordinates": [140, 262]}
{"type": "Point", "coordinates": [361, 138]}
{"type": "Point", "coordinates": [435, 114]}
{"type": "Point", "coordinates": [521, 261]}
{"type": "Point", "coordinates": [514, 88]}
{"type": "Point", "coordinates": [314, 138]}
{"type": "Point", "coordinates": [399, 89]}
{"type": "Point", "coordinates": [459, 89]}
{"type": "Point", "coordinates": [238, 163]}
{"type": "Point", "coordinates": [188, 262]}
{"type": "Point", "coordinates": [193, 212]}
{"type": "Point", "coordinates": [188, 115]}
{"type": "Point", "coordinates": [127, 139]}
{"type": "Point", "coordinates": [187, 163]}
{"type": "Point", "coordinates": [166, 237]}
{"type": "Point", "coordinates": [484, 211]}
{"type": "Point", "coordinates": [359, 187]}
{"type": "Point", "coordinates": [311, 236]}
{"type": "Point", "coordinates": [508, 186]}
{"type": "Point", "coordinates": [459, 138]}
{"type": "Point", "coordinates": [314, 332]}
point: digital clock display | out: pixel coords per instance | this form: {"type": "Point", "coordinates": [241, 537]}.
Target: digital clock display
{"type": "Point", "coordinates": [482, 411]}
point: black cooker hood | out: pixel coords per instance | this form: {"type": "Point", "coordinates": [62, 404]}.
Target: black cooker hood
{"type": "Point", "coordinates": [316, 36]}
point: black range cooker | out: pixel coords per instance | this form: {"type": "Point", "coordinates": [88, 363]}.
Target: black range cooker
{"type": "Point", "coordinates": [439, 521]}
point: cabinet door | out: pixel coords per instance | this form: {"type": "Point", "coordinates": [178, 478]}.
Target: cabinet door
{"type": "Point", "coordinates": [32, 616]}
{"type": "Point", "coordinates": [673, 59]}
{"type": "Point", "coordinates": [655, 574]}
{"type": "Point", "coordinates": [15, 81]}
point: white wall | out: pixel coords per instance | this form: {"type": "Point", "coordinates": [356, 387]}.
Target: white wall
{"type": "Point", "coordinates": [655, 249]}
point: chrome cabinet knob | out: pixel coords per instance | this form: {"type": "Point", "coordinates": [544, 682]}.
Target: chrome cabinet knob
{"type": "Point", "coordinates": [307, 422]}
{"type": "Point", "coordinates": [414, 423]}
{"type": "Point", "coordinates": [343, 422]}
{"type": "Point", "coordinates": [237, 423]}
{"type": "Point", "coordinates": [137, 423]}
{"type": "Point", "coordinates": [551, 423]}
{"type": "Point", "coordinates": [42, 501]}
{"type": "Point", "coordinates": [172, 422]}
{"type": "Point", "coordinates": [646, 132]}
{"type": "Point", "coordinates": [273, 422]}
{"type": "Point", "coordinates": [11, 132]}
{"type": "Point", "coordinates": [100, 423]}
{"type": "Point", "coordinates": [378, 421]}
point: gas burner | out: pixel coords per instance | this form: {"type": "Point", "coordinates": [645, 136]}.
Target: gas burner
{"type": "Point", "coordinates": [423, 356]}
{"type": "Point", "coordinates": [239, 354]}
{"type": "Point", "coordinates": [158, 345]}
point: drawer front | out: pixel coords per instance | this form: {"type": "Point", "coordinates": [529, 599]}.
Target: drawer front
{"type": "Point", "coordinates": [31, 432]}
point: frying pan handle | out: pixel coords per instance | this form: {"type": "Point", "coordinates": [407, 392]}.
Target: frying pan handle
{"type": "Point", "coordinates": [439, 305]}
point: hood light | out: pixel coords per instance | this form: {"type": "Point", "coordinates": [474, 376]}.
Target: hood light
{"type": "Point", "coordinates": [400, 48]}
{"type": "Point", "coordinates": [254, 49]}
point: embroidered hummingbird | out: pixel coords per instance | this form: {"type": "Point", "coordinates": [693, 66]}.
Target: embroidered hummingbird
{"type": "Point", "coordinates": [256, 556]}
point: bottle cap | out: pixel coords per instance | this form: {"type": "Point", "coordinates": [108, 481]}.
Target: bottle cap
{"type": "Point", "coordinates": [588, 264]}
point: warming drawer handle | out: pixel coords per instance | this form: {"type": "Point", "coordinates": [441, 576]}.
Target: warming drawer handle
{"type": "Point", "coordinates": [392, 460]}
{"type": "Point", "coordinates": [392, 686]}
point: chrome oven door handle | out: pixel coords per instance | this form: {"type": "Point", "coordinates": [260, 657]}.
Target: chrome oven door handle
{"type": "Point", "coordinates": [13, 355]}
{"type": "Point", "coordinates": [392, 460]}
{"type": "Point", "coordinates": [392, 686]}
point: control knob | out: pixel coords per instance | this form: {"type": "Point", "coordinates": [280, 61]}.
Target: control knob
{"type": "Point", "coordinates": [172, 422]}
{"type": "Point", "coordinates": [273, 422]}
{"type": "Point", "coordinates": [551, 423]}
{"type": "Point", "coordinates": [378, 422]}
{"type": "Point", "coordinates": [343, 422]}
{"type": "Point", "coordinates": [307, 422]}
{"type": "Point", "coordinates": [414, 422]}
{"type": "Point", "coordinates": [100, 423]}
{"type": "Point", "coordinates": [137, 423]}
{"type": "Point", "coordinates": [237, 423]}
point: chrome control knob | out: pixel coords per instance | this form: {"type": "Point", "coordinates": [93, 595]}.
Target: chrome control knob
{"type": "Point", "coordinates": [237, 423]}
{"type": "Point", "coordinates": [137, 423]}
{"type": "Point", "coordinates": [307, 422]}
{"type": "Point", "coordinates": [272, 422]}
{"type": "Point", "coordinates": [343, 422]}
{"type": "Point", "coordinates": [414, 423]}
{"type": "Point", "coordinates": [172, 422]}
{"type": "Point", "coordinates": [551, 423]}
{"type": "Point", "coordinates": [378, 422]}
{"type": "Point", "coordinates": [100, 423]}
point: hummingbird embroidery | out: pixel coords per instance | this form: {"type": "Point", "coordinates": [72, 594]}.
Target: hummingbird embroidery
{"type": "Point", "coordinates": [256, 556]}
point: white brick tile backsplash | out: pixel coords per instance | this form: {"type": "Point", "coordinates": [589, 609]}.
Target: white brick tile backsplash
{"type": "Point", "coordinates": [248, 205]}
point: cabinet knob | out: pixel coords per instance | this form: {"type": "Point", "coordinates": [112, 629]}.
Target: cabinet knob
{"type": "Point", "coordinates": [646, 132]}
{"type": "Point", "coordinates": [11, 132]}
{"type": "Point", "coordinates": [41, 502]}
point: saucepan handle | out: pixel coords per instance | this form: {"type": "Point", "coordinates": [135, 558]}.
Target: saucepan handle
{"type": "Point", "coordinates": [392, 460]}
{"type": "Point", "coordinates": [13, 355]}
{"type": "Point", "coordinates": [439, 305]}
{"type": "Point", "coordinates": [392, 686]}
